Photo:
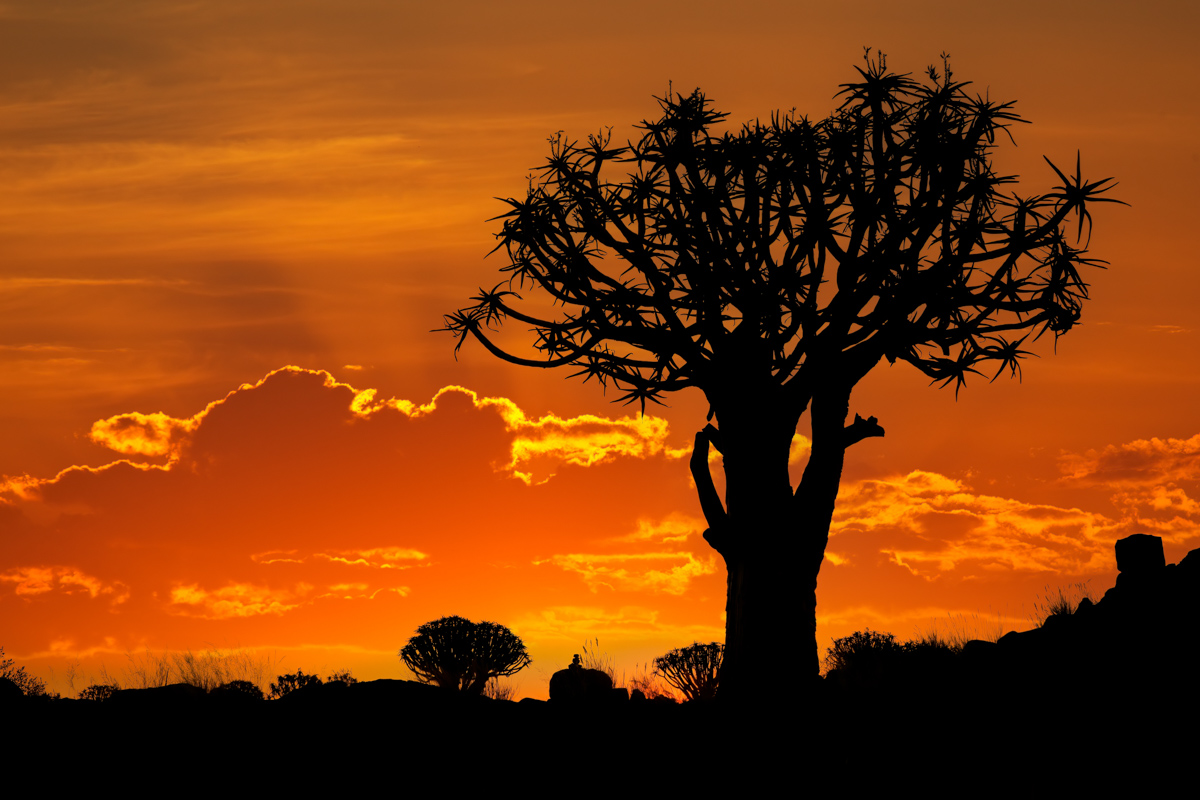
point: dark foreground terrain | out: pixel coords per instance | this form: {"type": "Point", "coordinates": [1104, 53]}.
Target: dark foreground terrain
{"type": "Point", "coordinates": [404, 734]}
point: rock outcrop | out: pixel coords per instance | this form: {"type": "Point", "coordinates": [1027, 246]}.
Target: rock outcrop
{"type": "Point", "coordinates": [578, 684]}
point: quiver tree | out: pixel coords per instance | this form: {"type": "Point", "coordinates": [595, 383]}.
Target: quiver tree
{"type": "Point", "coordinates": [772, 268]}
{"type": "Point", "coordinates": [461, 655]}
{"type": "Point", "coordinates": [694, 670]}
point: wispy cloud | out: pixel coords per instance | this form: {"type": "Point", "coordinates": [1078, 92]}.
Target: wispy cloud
{"type": "Point", "coordinates": [33, 581]}
{"type": "Point", "coordinates": [635, 572]}
{"type": "Point", "coordinates": [236, 600]}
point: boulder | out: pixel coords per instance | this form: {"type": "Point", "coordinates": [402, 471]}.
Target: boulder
{"type": "Point", "coordinates": [577, 684]}
{"type": "Point", "coordinates": [1140, 553]}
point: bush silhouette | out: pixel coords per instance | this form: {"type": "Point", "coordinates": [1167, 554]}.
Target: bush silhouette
{"type": "Point", "coordinates": [863, 653]}
{"type": "Point", "coordinates": [241, 688]}
{"type": "Point", "coordinates": [290, 683]}
{"type": "Point", "coordinates": [342, 676]}
{"type": "Point", "coordinates": [30, 685]}
{"type": "Point", "coordinates": [694, 670]}
{"type": "Point", "coordinates": [99, 692]}
{"type": "Point", "coordinates": [461, 655]}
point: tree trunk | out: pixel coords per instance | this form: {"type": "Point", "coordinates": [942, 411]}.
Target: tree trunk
{"type": "Point", "coordinates": [773, 542]}
{"type": "Point", "coordinates": [758, 541]}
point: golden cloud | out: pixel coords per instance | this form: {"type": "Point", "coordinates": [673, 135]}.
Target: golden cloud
{"type": "Point", "coordinates": [235, 600]}
{"type": "Point", "coordinates": [33, 581]}
{"type": "Point", "coordinates": [674, 529]}
{"type": "Point", "coordinates": [939, 524]}
{"type": "Point", "coordinates": [378, 557]}
{"type": "Point", "coordinates": [361, 591]}
{"type": "Point", "coordinates": [141, 434]}
{"type": "Point", "coordinates": [1138, 463]}
{"type": "Point", "coordinates": [583, 441]}
{"type": "Point", "coordinates": [276, 557]}
{"type": "Point", "coordinates": [630, 571]}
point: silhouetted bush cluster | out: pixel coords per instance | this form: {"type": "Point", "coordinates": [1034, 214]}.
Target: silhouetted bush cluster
{"type": "Point", "coordinates": [342, 676]}
{"type": "Point", "coordinates": [286, 684]}
{"type": "Point", "coordinates": [241, 688]}
{"type": "Point", "coordinates": [99, 692]}
{"type": "Point", "coordinates": [30, 685]}
{"type": "Point", "coordinates": [864, 650]}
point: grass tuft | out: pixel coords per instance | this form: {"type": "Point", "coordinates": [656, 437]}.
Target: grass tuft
{"type": "Point", "coordinates": [1060, 602]}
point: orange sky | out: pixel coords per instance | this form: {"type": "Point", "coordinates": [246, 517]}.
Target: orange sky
{"type": "Point", "coordinates": [196, 196]}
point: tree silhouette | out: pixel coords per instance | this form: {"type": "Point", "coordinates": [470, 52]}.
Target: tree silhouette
{"type": "Point", "coordinates": [694, 670]}
{"type": "Point", "coordinates": [772, 268]}
{"type": "Point", "coordinates": [461, 655]}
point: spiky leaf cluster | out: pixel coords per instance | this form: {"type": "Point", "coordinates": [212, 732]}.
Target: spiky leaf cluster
{"type": "Point", "coordinates": [458, 654]}
{"type": "Point", "coordinates": [694, 670]}
{"type": "Point", "coordinates": [790, 249]}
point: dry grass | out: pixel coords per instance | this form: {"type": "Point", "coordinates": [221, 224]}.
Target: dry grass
{"type": "Point", "coordinates": [1060, 602]}
{"type": "Point", "coordinates": [650, 684]}
{"type": "Point", "coordinates": [958, 630]}
{"type": "Point", "coordinates": [206, 670]}
{"type": "Point", "coordinates": [593, 659]}
{"type": "Point", "coordinates": [500, 690]}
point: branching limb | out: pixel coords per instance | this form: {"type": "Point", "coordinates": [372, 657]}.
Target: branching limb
{"type": "Point", "coordinates": [860, 429]}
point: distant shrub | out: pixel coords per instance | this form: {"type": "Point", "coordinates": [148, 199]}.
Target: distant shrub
{"type": "Point", "coordinates": [292, 682]}
{"type": "Point", "coordinates": [863, 651]}
{"type": "Point", "coordinates": [99, 692]}
{"type": "Point", "coordinates": [342, 676]}
{"type": "Point", "coordinates": [31, 685]}
{"type": "Point", "coordinates": [240, 687]}
{"type": "Point", "coordinates": [694, 670]}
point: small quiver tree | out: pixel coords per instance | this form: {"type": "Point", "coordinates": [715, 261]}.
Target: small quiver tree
{"type": "Point", "coordinates": [694, 670]}
{"type": "Point", "coordinates": [463, 656]}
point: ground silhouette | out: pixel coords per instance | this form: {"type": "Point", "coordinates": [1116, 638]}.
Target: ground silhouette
{"type": "Point", "coordinates": [1106, 693]}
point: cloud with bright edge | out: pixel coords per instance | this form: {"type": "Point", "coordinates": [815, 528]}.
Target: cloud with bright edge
{"type": "Point", "coordinates": [585, 440]}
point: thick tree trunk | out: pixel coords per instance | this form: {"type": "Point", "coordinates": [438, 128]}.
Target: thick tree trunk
{"type": "Point", "coordinates": [773, 542]}
{"type": "Point", "coordinates": [758, 541]}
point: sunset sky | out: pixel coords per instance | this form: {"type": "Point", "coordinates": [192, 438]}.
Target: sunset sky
{"type": "Point", "coordinates": [227, 230]}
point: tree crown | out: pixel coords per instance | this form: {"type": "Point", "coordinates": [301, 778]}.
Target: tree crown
{"type": "Point", "coordinates": [791, 253]}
